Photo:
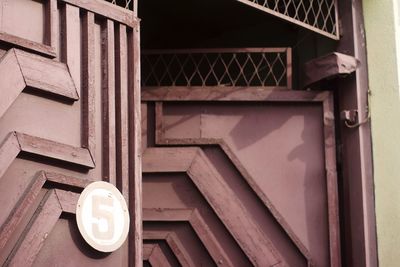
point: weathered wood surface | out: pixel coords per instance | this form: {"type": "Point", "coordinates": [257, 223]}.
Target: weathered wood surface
{"type": "Point", "coordinates": [229, 94]}
{"type": "Point", "coordinates": [155, 256]}
{"type": "Point", "coordinates": [32, 192]}
{"type": "Point", "coordinates": [108, 98]}
{"type": "Point", "coordinates": [194, 218]}
{"type": "Point", "coordinates": [93, 46]}
{"type": "Point", "coordinates": [328, 67]}
{"type": "Point", "coordinates": [41, 224]}
{"type": "Point", "coordinates": [122, 111]}
{"type": "Point", "coordinates": [219, 122]}
{"type": "Point", "coordinates": [135, 156]}
{"type": "Point", "coordinates": [53, 204]}
{"type": "Point", "coordinates": [107, 10]}
{"type": "Point", "coordinates": [18, 42]}
{"type": "Point", "coordinates": [19, 69]}
{"type": "Point", "coordinates": [55, 150]}
{"type": "Point", "coordinates": [19, 142]}
{"type": "Point", "coordinates": [174, 243]}
{"type": "Point", "coordinates": [88, 97]}
{"type": "Point", "coordinates": [71, 45]}
{"type": "Point", "coordinates": [219, 196]}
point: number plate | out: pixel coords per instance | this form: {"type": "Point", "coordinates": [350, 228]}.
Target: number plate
{"type": "Point", "coordinates": [102, 216]}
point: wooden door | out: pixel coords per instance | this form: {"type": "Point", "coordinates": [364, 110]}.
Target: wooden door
{"type": "Point", "coordinates": [237, 176]}
{"type": "Point", "coordinates": [68, 116]}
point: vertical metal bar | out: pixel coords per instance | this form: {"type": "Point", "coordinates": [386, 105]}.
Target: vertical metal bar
{"type": "Point", "coordinates": [108, 101]}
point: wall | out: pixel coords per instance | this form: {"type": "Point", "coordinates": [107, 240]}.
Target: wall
{"type": "Point", "coordinates": [383, 52]}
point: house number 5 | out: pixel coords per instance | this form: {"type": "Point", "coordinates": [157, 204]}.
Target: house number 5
{"type": "Point", "coordinates": [102, 216]}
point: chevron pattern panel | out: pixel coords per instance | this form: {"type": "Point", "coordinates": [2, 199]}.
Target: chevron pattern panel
{"type": "Point", "coordinates": [67, 89]}
{"type": "Point", "coordinates": [239, 177]}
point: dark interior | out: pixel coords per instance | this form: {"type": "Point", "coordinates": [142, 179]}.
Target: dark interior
{"type": "Point", "coordinates": [178, 24]}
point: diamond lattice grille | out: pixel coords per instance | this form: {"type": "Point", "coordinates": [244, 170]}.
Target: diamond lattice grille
{"type": "Point", "coordinates": [317, 15]}
{"type": "Point", "coordinates": [128, 4]}
{"type": "Point", "coordinates": [265, 67]}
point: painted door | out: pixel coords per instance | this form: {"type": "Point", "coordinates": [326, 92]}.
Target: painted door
{"type": "Point", "coordinates": [68, 113]}
{"type": "Point", "coordinates": [237, 175]}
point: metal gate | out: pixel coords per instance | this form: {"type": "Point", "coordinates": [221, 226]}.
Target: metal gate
{"type": "Point", "coordinates": [68, 116]}
{"type": "Point", "coordinates": [236, 173]}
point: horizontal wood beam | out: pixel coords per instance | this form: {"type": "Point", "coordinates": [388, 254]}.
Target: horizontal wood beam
{"type": "Point", "coordinates": [107, 10]}
{"type": "Point", "coordinates": [25, 44]}
{"type": "Point", "coordinates": [230, 94]}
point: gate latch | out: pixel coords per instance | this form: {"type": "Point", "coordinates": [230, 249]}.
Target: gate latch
{"type": "Point", "coordinates": [351, 120]}
{"type": "Point", "coordinates": [349, 116]}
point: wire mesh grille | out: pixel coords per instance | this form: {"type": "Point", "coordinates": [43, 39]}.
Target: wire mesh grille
{"type": "Point", "coordinates": [264, 67]}
{"type": "Point", "coordinates": [127, 4]}
{"type": "Point", "coordinates": [317, 15]}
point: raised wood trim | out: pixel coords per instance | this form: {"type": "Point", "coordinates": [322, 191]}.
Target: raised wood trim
{"type": "Point", "coordinates": [19, 142]}
{"type": "Point", "coordinates": [107, 10]}
{"type": "Point", "coordinates": [35, 234]}
{"type": "Point", "coordinates": [19, 70]}
{"type": "Point", "coordinates": [122, 111]}
{"type": "Point", "coordinates": [28, 197]}
{"type": "Point", "coordinates": [28, 45]}
{"type": "Point", "coordinates": [108, 102]}
{"type": "Point", "coordinates": [229, 209]}
{"type": "Point", "coordinates": [64, 180]}
{"type": "Point", "coordinates": [65, 201]}
{"type": "Point", "coordinates": [52, 32]}
{"type": "Point", "coordinates": [229, 94]}
{"type": "Point", "coordinates": [325, 98]}
{"type": "Point", "coordinates": [217, 50]}
{"type": "Point", "coordinates": [174, 243]}
{"type": "Point", "coordinates": [71, 33]}
{"type": "Point", "coordinates": [54, 150]}
{"type": "Point", "coordinates": [194, 218]}
{"type": "Point", "coordinates": [88, 85]}
{"type": "Point", "coordinates": [135, 157]}
{"type": "Point", "coordinates": [154, 254]}
{"type": "Point", "coordinates": [46, 75]}
{"type": "Point", "coordinates": [331, 181]}
{"type": "Point", "coordinates": [53, 204]}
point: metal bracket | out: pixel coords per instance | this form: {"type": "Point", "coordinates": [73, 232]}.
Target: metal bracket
{"type": "Point", "coordinates": [350, 117]}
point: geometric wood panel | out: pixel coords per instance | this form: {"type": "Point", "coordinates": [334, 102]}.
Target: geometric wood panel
{"type": "Point", "coordinates": [68, 116]}
{"type": "Point", "coordinates": [257, 166]}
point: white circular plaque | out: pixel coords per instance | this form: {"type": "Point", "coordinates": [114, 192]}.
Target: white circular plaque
{"type": "Point", "coordinates": [102, 216]}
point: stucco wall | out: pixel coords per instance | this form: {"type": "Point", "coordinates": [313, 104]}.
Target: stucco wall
{"type": "Point", "coordinates": [380, 24]}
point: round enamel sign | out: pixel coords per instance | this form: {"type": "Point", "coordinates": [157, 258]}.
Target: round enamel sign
{"type": "Point", "coordinates": [102, 216]}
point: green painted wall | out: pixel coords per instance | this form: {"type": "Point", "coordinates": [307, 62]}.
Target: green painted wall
{"type": "Point", "coordinates": [380, 25]}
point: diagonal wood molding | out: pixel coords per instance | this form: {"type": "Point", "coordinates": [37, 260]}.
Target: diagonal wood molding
{"type": "Point", "coordinates": [174, 243]}
{"type": "Point", "coordinates": [17, 142]}
{"type": "Point", "coordinates": [32, 192]}
{"type": "Point", "coordinates": [196, 221]}
{"type": "Point", "coordinates": [323, 98]}
{"type": "Point", "coordinates": [54, 203]}
{"type": "Point", "coordinates": [193, 162]}
{"type": "Point", "coordinates": [220, 142]}
{"type": "Point", "coordinates": [155, 256]}
{"type": "Point", "coordinates": [19, 69]}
